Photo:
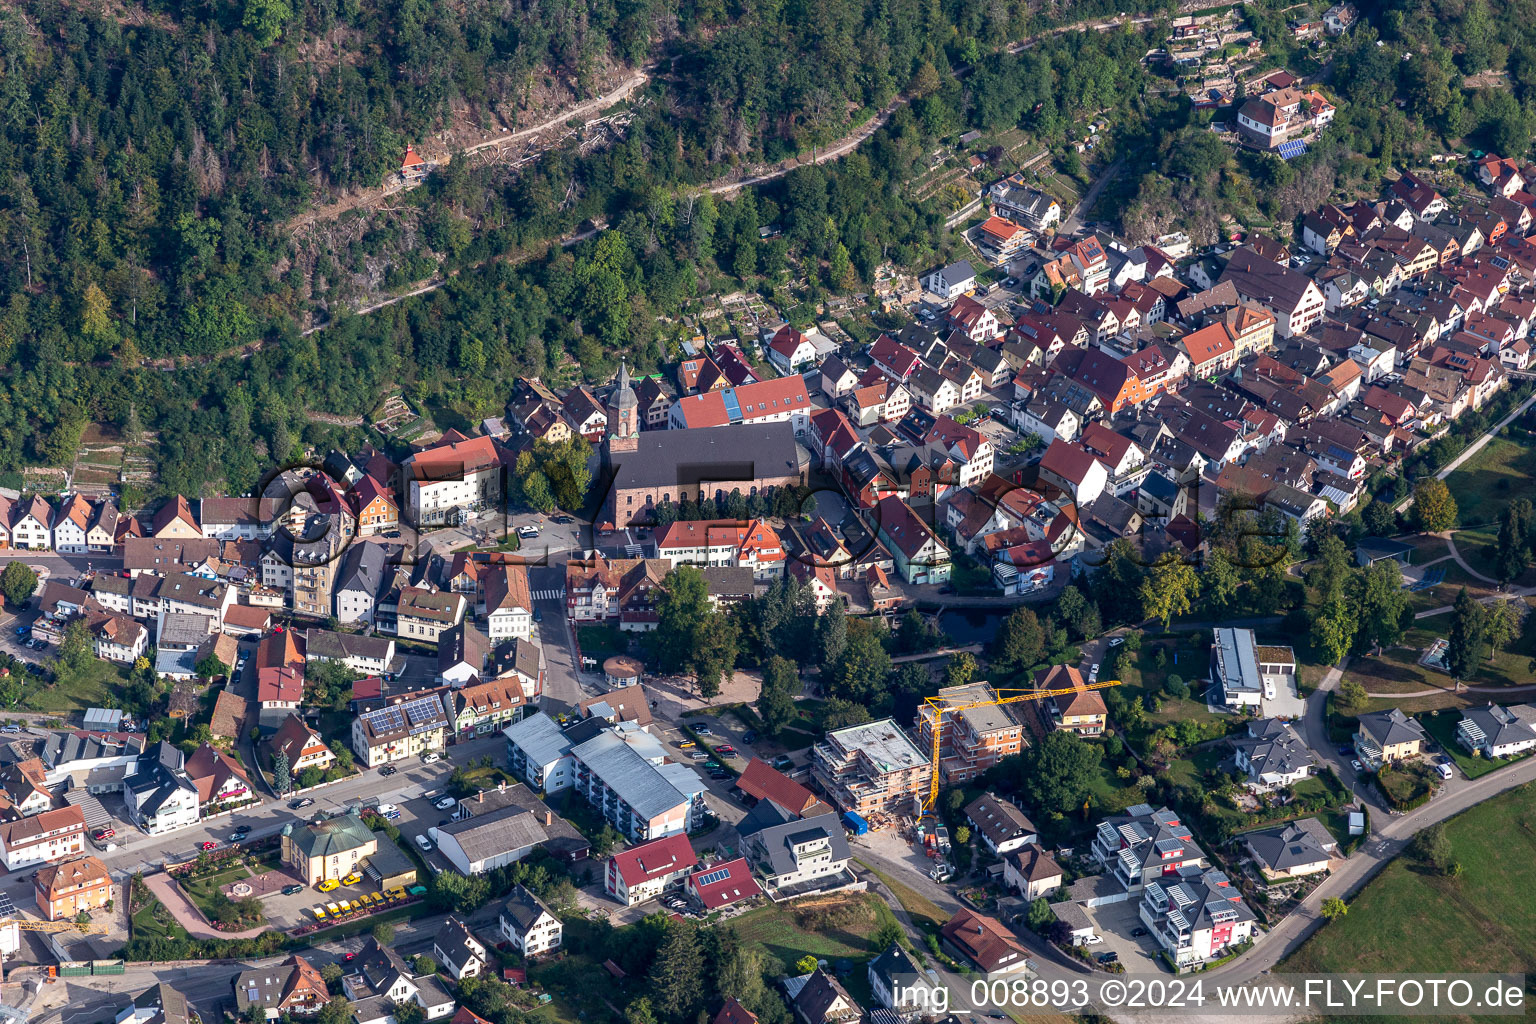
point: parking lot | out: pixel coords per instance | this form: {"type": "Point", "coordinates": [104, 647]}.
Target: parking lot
{"type": "Point", "coordinates": [1115, 922]}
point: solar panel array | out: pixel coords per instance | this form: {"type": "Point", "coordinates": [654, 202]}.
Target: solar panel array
{"type": "Point", "coordinates": [421, 715]}
{"type": "Point", "coordinates": [7, 908]}
{"type": "Point", "coordinates": [713, 877]}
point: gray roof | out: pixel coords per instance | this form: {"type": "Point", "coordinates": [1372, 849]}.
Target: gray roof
{"type": "Point", "coordinates": [1287, 847]}
{"type": "Point", "coordinates": [957, 271]}
{"type": "Point", "coordinates": [1501, 726]}
{"type": "Point", "coordinates": [1391, 727]}
{"type": "Point", "coordinates": [539, 737]}
{"type": "Point", "coordinates": [776, 841]}
{"type": "Point", "coordinates": [998, 820]}
{"type": "Point", "coordinates": [381, 965]}
{"type": "Point", "coordinates": [456, 944]}
{"type": "Point", "coordinates": [1272, 747]}
{"type": "Point", "coordinates": [672, 458]}
{"type": "Point", "coordinates": [171, 1004]}
{"type": "Point", "coordinates": [524, 909]}
{"type": "Point", "coordinates": [362, 569]}
{"type": "Point", "coordinates": [323, 643]}
{"type": "Point", "coordinates": [636, 781]}
{"type": "Point", "coordinates": [490, 835]}
{"type": "Point", "coordinates": [1236, 661]}
{"type": "Point", "coordinates": [184, 628]}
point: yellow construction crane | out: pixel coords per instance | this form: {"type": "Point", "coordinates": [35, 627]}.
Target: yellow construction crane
{"type": "Point", "coordinates": [28, 925]}
{"type": "Point", "coordinates": [940, 707]}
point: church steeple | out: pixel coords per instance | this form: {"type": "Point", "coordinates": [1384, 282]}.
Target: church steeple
{"type": "Point", "coordinates": [623, 413]}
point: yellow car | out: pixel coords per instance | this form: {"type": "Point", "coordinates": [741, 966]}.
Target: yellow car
{"type": "Point", "coordinates": [352, 879]}
{"type": "Point", "coordinates": [328, 885]}
{"type": "Point", "coordinates": [686, 745]}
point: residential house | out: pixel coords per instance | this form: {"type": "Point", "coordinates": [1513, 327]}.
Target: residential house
{"type": "Point", "coordinates": [409, 727]}
{"type": "Point", "coordinates": [174, 521]}
{"type": "Point", "coordinates": [920, 556]}
{"type": "Point", "coordinates": [1197, 918]}
{"type": "Point", "coordinates": [382, 981]}
{"type": "Point", "coordinates": [1001, 826]}
{"type": "Point", "coordinates": [50, 836]}
{"type": "Point", "coordinates": [1293, 298]}
{"type": "Point", "coordinates": [456, 949]}
{"type": "Point", "coordinates": [899, 985]}
{"type": "Point", "coordinates": [1082, 711]}
{"type": "Point", "coordinates": [424, 614]}
{"type": "Point", "coordinates": [1294, 850]}
{"type": "Point", "coordinates": [1272, 755]}
{"type": "Point", "coordinates": [501, 827]}
{"type": "Point", "coordinates": [721, 884]}
{"type": "Point", "coordinates": [1074, 469]}
{"type": "Point", "coordinates": [220, 781]}
{"type": "Point", "coordinates": [819, 998]}
{"type": "Point", "coordinates": [790, 351]}
{"type": "Point", "coordinates": [292, 988]}
{"type": "Point", "coordinates": [951, 281]}
{"type": "Point", "coordinates": [984, 942]}
{"type": "Point", "coordinates": [644, 872]}
{"type": "Point", "coordinates": [800, 856]}
{"type": "Point", "coordinates": [1031, 872]}
{"type": "Point", "coordinates": [1383, 737]}
{"type": "Point", "coordinates": [1145, 844]}
{"type": "Point", "coordinates": [1497, 731]}
{"type": "Point", "coordinates": [299, 744]}
{"type": "Point", "coordinates": [160, 796]}
{"type": "Point", "coordinates": [529, 925]}
{"type": "Point", "coordinates": [72, 887]}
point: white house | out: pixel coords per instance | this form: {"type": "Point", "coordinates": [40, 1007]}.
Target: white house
{"type": "Point", "coordinates": [790, 351]}
{"type": "Point", "coordinates": [951, 281]}
{"type": "Point", "coordinates": [456, 949]}
{"type": "Point", "coordinates": [508, 604]}
{"type": "Point", "coordinates": [29, 528]}
{"type": "Point", "coordinates": [1031, 872]}
{"type": "Point", "coordinates": [1495, 731]}
{"type": "Point", "coordinates": [898, 984]}
{"type": "Point", "coordinates": [161, 797]}
{"type": "Point", "coordinates": [529, 925]}
{"type": "Point", "coordinates": [646, 871]}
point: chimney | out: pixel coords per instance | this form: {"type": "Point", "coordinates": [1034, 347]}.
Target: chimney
{"type": "Point", "coordinates": [501, 787]}
{"type": "Point", "coordinates": [480, 797]}
{"type": "Point", "coordinates": [549, 817]}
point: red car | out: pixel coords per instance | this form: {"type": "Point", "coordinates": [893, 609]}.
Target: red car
{"type": "Point", "coordinates": [210, 846]}
{"type": "Point", "coordinates": [103, 833]}
{"type": "Point", "coordinates": [351, 956]}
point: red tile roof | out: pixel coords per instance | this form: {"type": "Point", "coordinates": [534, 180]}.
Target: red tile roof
{"type": "Point", "coordinates": [737, 885]}
{"type": "Point", "coordinates": [653, 859]}
{"type": "Point", "coordinates": [761, 782]}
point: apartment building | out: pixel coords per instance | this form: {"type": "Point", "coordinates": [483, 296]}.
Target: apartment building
{"type": "Point", "coordinates": [1143, 845]}
{"type": "Point", "coordinates": [871, 767]}
{"type": "Point", "coordinates": [972, 740]}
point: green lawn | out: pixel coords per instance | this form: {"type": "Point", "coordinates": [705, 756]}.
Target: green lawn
{"type": "Point", "coordinates": [201, 890]}
{"type": "Point", "coordinates": [90, 690]}
{"type": "Point", "coordinates": [1500, 472]}
{"type": "Point", "coordinates": [1408, 921]}
{"type": "Point", "coordinates": [153, 921]}
{"type": "Point", "coordinates": [831, 928]}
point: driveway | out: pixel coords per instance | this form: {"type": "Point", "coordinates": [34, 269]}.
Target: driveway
{"type": "Point", "coordinates": [1115, 922]}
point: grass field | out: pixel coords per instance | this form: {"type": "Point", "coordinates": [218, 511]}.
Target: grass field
{"type": "Point", "coordinates": [1406, 920]}
{"type": "Point", "coordinates": [90, 690]}
{"type": "Point", "coordinates": [1500, 472]}
{"type": "Point", "coordinates": [831, 928]}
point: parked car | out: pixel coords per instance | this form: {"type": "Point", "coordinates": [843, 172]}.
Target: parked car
{"type": "Point", "coordinates": [750, 736]}
{"type": "Point", "coordinates": [1094, 940]}
{"type": "Point", "coordinates": [1356, 765]}
{"type": "Point", "coordinates": [103, 834]}
{"type": "Point", "coordinates": [352, 879]}
{"type": "Point", "coordinates": [292, 890]}
{"type": "Point", "coordinates": [703, 730]}
{"type": "Point", "coordinates": [23, 630]}
{"type": "Point", "coordinates": [388, 770]}
{"type": "Point", "coordinates": [1107, 958]}
{"type": "Point", "coordinates": [430, 757]}
{"type": "Point", "coordinates": [209, 845]}
{"type": "Point", "coordinates": [328, 885]}
{"type": "Point", "coordinates": [386, 808]}
{"type": "Point", "coordinates": [1444, 770]}
{"type": "Point", "coordinates": [1138, 932]}
{"type": "Point", "coordinates": [726, 749]}
{"type": "Point", "coordinates": [698, 755]}
{"type": "Point", "coordinates": [425, 843]}
{"type": "Point", "coordinates": [241, 831]}
{"type": "Point", "coordinates": [538, 615]}
{"type": "Point", "coordinates": [1116, 641]}
{"type": "Point", "coordinates": [445, 803]}
{"type": "Point", "coordinates": [686, 745]}
{"type": "Point", "coordinates": [1093, 673]}
{"type": "Point", "coordinates": [527, 532]}
{"type": "Point", "coordinates": [295, 805]}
